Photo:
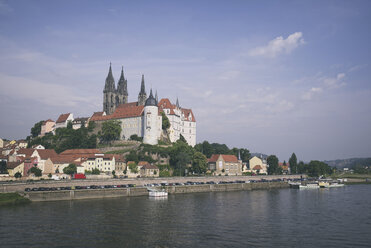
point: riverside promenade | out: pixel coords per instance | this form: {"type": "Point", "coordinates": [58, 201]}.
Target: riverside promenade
{"type": "Point", "coordinates": [19, 186]}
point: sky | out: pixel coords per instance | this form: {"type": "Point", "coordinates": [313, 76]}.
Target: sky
{"type": "Point", "coordinates": [275, 77]}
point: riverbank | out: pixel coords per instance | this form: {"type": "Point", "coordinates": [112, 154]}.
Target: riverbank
{"type": "Point", "coordinates": [80, 194]}
{"type": "Point", "coordinates": [12, 199]}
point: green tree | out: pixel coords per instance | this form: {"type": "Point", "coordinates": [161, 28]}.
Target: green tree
{"type": "Point", "coordinates": [70, 169]}
{"type": "Point", "coordinates": [199, 163]}
{"type": "Point", "coordinates": [69, 125]}
{"type": "Point", "coordinates": [136, 138]}
{"type": "Point", "coordinates": [133, 167]}
{"type": "Point", "coordinates": [36, 130]}
{"type": "Point", "coordinates": [18, 175]}
{"type": "Point", "coordinates": [111, 130]}
{"type": "Point", "coordinates": [95, 171]}
{"type": "Point", "coordinates": [36, 171]}
{"type": "Point", "coordinates": [273, 168]}
{"type": "Point", "coordinates": [91, 126]}
{"type": "Point", "coordinates": [132, 156]}
{"type": "Point", "coordinates": [293, 162]}
{"type": "Point", "coordinates": [317, 168]}
{"type": "Point", "coordinates": [3, 169]}
{"type": "Point", "coordinates": [301, 168]}
{"type": "Point", "coordinates": [181, 138]}
{"type": "Point", "coordinates": [165, 121]}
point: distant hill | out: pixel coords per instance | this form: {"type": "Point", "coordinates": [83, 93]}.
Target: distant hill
{"type": "Point", "coordinates": [349, 162]}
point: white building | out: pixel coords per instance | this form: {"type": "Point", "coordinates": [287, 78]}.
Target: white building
{"type": "Point", "coordinates": [63, 120]}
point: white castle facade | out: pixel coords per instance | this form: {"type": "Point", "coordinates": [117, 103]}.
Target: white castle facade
{"type": "Point", "coordinates": [144, 117]}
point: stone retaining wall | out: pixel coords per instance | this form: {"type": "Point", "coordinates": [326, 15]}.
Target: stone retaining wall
{"type": "Point", "coordinates": [127, 192]}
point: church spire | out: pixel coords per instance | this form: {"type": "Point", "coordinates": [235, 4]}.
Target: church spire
{"type": "Point", "coordinates": [156, 97]}
{"type": "Point", "coordinates": [110, 81]}
{"type": "Point", "coordinates": [177, 103]}
{"type": "Point", "coordinates": [142, 94]}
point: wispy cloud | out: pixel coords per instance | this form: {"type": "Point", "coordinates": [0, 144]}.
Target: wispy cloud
{"type": "Point", "coordinates": [335, 82]}
{"type": "Point", "coordinates": [311, 93]}
{"type": "Point", "coordinates": [279, 45]}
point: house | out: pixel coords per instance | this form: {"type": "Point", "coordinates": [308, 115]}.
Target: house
{"type": "Point", "coordinates": [14, 167]}
{"type": "Point", "coordinates": [38, 147]}
{"type": "Point", "coordinates": [257, 166]}
{"type": "Point", "coordinates": [48, 126]}
{"type": "Point", "coordinates": [120, 164]}
{"type": "Point", "coordinates": [29, 162]}
{"type": "Point", "coordinates": [285, 167]}
{"type": "Point", "coordinates": [62, 161]}
{"type": "Point", "coordinates": [102, 162]}
{"type": "Point", "coordinates": [63, 120]}
{"type": "Point", "coordinates": [78, 122]}
{"type": "Point", "coordinates": [149, 170]}
{"type": "Point", "coordinates": [222, 164]}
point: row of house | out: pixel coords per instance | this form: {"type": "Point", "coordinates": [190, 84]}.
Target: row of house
{"type": "Point", "coordinates": [51, 163]}
{"type": "Point", "coordinates": [222, 164]}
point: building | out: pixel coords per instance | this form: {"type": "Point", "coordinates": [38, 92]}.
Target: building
{"type": "Point", "coordinates": [143, 118]}
{"type": "Point", "coordinates": [48, 126]}
{"type": "Point", "coordinates": [14, 167]}
{"type": "Point", "coordinates": [63, 120]}
{"type": "Point", "coordinates": [1, 143]}
{"type": "Point", "coordinates": [79, 122]}
{"type": "Point", "coordinates": [221, 164]}
{"type": "Point", "coordinates": [257, 166]}
{"type": "Point", "coordinates": [149, 170]}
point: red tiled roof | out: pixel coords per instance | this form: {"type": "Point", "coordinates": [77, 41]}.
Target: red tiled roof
{"type": "Point", "coordinates": [148, 166]}
{"type": "Point", "coordinates": [46, 153]}
{"type": "Point", "coordinates": [188, 112]}
{"type": "Point", "coordinates": [126, 110]}
{"type": "Point", "coordinates": [63, 159]}
{"type": "Point", "coordinates": [165, 103]}
{"type": "Point", "coordinates": [12, 165]}
{"type": "Point", "coordinates": [226, 158]}
{"type": "Point", "coordinates": [49, 120]}
{"type": "Point", "coordinates": [142, 163]}
{"type": "Point", "coordinates": [80, 151]}
{"type": "Point", "coordinates": [63, 118]}
{"type": "Point", "coordinates": [26, 151]}
{"type": "Point", "coordinates": [257, 167]}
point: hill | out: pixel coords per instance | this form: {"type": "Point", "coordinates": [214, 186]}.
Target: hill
{"type": "Point", "coordinates": [349, 162]}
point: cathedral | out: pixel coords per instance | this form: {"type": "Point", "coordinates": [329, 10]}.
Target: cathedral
{"type": "Point", "coordinates": [144, 117]}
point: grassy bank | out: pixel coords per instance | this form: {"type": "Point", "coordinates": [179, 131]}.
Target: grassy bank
{"type": "Point", "coordinates": [12, 199]}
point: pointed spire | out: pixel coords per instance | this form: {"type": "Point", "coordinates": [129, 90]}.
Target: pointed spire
{"type": "Point", "coordinates": [156, 97]}
{"type": "Point", "coordinates": [177, 103]}
{"type": "Point", "coordinates": [122, 84]}
{"type": "Point", "coordinates": [110, 81]}
{"type": "Point", "coordinates": [150, 94]}
{"type": "Point", "coordinates": [142, 86]}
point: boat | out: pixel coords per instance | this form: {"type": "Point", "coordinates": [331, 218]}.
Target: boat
{"type": "Point", "coordinates": [295, 185]}
{"type": "Point", "coordinates": [309, 186]}
{"type": "Point", "coordinates": [156, 193]}
{"type": "Point", "coordinates": [330, 184]}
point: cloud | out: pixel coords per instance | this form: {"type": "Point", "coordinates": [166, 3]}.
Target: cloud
{"type": "Point", "coordinates": [310, 94]}
{"type": "Point", "coordinates": [279, 45]}
{"type": "Point", "coordinates": [335, 82]}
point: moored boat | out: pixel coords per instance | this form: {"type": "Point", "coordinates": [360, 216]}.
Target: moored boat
{"type": "Point", "coordinates": [156, 193]}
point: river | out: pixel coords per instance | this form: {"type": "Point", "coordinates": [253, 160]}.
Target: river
{"type": "Point", "coordinates": [336, 217]}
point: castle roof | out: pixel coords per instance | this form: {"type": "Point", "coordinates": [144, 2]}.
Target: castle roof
{"type": "Point", "coordinates": [151, 101]}
{"type": "Point", "coordinates": [126, 110]}
{"type": "Point", "coordinates": [63, 117]}
{"type": "Point", "coordinates": [188, 115]}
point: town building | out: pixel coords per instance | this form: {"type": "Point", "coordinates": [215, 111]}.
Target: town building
{"type": "Point", "coordinates": [63, 120]}
{"type": "Point", "coordinates": [222, 164]}
{"type": "Point", "coordinates": [48, 126]}
{"type": "Point", "coordinates": [257, 166]}
{"type": "Point", "coordinates": [149, 170]}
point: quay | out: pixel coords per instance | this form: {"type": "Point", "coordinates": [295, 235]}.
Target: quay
{"type": "Point", "coordinates": [261, 182]}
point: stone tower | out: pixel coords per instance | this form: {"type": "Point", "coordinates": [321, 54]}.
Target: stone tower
{"type": "Point", "coordinates": [122, 89]}
{"type": "Point", "coordinates": [142, 94]}
{"type": "Point", "coordinates": [150, 121]}
{"type": "Point", "coordinates": [109, 93]}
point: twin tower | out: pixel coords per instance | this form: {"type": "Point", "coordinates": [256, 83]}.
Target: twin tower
{"type": "Point", "coordinates": [113, 97]}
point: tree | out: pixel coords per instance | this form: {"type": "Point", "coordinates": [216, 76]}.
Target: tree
{"type": "Point", "coordinates": [301, 168]}
{"type": "Point", "coordinates": [95, 171]}
{"type": "Point", "coordinates": [3, 169]}
{"type": "Point", "coordinates": [70, 169]}
{"type": "Point", "coordinates": [136, 137]}
{"type": "Point", "coordinates": [165, 121]}
{"type": "Point", "coordinates": [36, 130]}
{"type": "Point", "coordinates": [293, 162]}
{"type": "Point", "coordinates": [36, 171]}
{"type": "Point", "coordinates": [199, 163]}
{"type": "Point", "coordinates": [317, 168]}
{"type": "Point", "coordinates": [18, 175]}
{"type": "Point", "coordinates": [133, 167]}
{"type": "Point", "coordinates": [181, 138]}
{"type": "Point", "coordinates": [273, 168]}
{"type": "Point", "coordinates": [69, 125]}
{"type": "Point", "coordinates": [111, 130]}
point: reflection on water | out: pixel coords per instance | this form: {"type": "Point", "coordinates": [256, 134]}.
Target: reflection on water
{"type": "Point", "coordinates": [260, 218]}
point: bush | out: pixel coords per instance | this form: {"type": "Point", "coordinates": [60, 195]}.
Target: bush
{"type": "Point", "coordinates": [164, 173]}
{"type": "Point", "coordinates": [36, 171]}
{"type": "Point", "coordinates": [136, 138]}
{"type": "Point", "coordinates": [18, 175]}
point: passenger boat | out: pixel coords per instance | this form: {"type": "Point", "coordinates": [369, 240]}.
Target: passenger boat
{"type": "Point", "coordinates": [156, 193]}
{"type": "Point", "coordinates": [309, 186]}
{"type": "Point", "coordinates": [330, 185]}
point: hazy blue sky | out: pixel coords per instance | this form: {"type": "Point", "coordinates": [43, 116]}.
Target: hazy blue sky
{"type": "Point", "coordinates": [273, 76]}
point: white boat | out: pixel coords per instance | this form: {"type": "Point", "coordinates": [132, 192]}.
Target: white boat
{"type": "Point", "coordinates": [156, 193]}
{"type": "Point", "coordinates": [309, 186]}
{"type": "Point", "coordinates": [330, 185]}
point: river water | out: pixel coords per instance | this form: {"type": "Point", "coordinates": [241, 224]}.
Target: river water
{"type": "Point", "coordinates": [337, 217]}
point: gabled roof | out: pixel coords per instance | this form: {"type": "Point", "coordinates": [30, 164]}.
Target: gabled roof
{"type": "Point", "coordinates": [142, 163]}
{"type": "Point", "coordinates": [26, 151]}
{"type": "Point", "coordinates": [148, 166]}
{"type": "Point", "coordinates": [46, 153]}
{"type": "Point", "coordinates": [49, 120]}
{"type": "Point", "coordinates": [63, 159]}
{"type": "Point", "coordinates": [63, 117]}
{"type": "Point", "coordinates": [166, 104]}
{"type": "Point", "coordinates": [12, 165]}
{"type": "Point", "coordinates": [226, 158]}
{"type": "Point", "coordinates": [80, 151]}
{"type": "Point", "coordinates": [188, 113]}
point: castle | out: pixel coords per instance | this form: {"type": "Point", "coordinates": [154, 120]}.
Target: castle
{"type": "Point", "coordinates": [144, 117]}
